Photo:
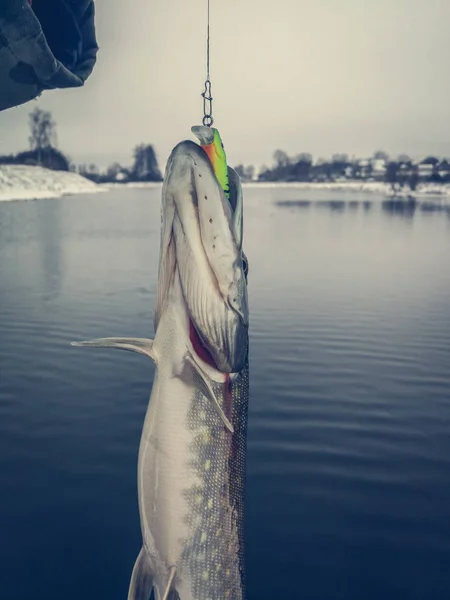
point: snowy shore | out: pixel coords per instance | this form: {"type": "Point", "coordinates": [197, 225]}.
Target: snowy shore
{"type": "Point", "coordinates": [22, 182]}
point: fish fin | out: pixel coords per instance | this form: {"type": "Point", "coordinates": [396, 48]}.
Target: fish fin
{"type": "Point", "coordinates": [140, 345]}
{"type": "Point", "coordinates": [141, 581]}
{"type": "Point", "coordinates": [202, 381]}
{"type": "Point", "coordinates": [168, 593]}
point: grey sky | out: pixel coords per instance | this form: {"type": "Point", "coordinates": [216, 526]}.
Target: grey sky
{"type": "Point", "coordinates": [322, 76]}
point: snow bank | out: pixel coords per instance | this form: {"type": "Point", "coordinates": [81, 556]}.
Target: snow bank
{"type": "Point", "coordinates": [22, 182]}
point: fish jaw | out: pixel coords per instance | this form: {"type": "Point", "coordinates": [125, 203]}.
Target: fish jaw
{"type": "Point", "coordinates": [200, 241]}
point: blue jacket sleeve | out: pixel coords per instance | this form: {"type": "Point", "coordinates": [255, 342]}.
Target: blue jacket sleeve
{"type": "Point", "coordinates": [44, 45]}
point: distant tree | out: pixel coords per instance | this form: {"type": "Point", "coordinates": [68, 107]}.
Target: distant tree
{"type": "Point", "coordinates": [391, 175]}
{"type": "Point", "coordinates": [113, 170]}
{"type": "Point", "coordinates": [249, 172]}
{"type": "Point", "coordinates": [7, 159]}
{"type": "Point", "coordinates": [301, 169]}
{"type": "Point", "coordinates": [381, 155]}
{"type": "Point", "coordinates": [239, 170]}
{"type": "Point", "coordinates": [90, 172]}
{"type": "Point", "coordinates": [340, 158]}
{"type": "Point", "coordinates": [43, 143]}
{"type": "Point", "coordinates": [265, 174]}
{"type": "Point", "coordinates": [339, 165]}
{"type": "Point", "coordinates": [42, 132]}
{"type": "Point", "coordinates": [305, 157]}
{"type": "Point", "coordinates": [413, 179]}
{"type": "Point", "coordinates": [245, 173]}
{"type": "Point", "coordinates": [403, 158]}
{"type": "Point", "coordinates": [50, 158]}
{"type": "Point", "coordinates": [430, 160]}
{"type": "Point", "coordinates": [145, 167]}
{"type": "Point", "coordinates": [321, 171]}
{"type": "Point", "coordinates": [281, 158]}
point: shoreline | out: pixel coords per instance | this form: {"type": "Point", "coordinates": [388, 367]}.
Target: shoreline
{"type": "Point", "coordinates": [22, 182]}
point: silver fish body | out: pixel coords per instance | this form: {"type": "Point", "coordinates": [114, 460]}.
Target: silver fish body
{"type": "Point", "coordinates": [192, 455]}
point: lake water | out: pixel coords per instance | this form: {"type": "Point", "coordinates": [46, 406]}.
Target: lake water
{"type": "Point", "coordinates": [348, 493]}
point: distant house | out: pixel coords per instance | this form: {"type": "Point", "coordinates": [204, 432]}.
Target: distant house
{"type": "Point", "coordinates": [378, 168]}
{"type": "Point", "coordinates": [121, 176]}
{"type": "Point", "coordinates": [405, 172]}
{"type": "Point", "coordinates": [321, 171]}
{"type": "Point", "coordinates": [443, 170]}
{"type": "Point", "coordinates": [364, 168]}
{"type": "Point", "coordinates": [426, 167]}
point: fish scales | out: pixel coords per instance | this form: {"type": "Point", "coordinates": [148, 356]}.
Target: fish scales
{"type": "Point", "coordinates": [214, 555]}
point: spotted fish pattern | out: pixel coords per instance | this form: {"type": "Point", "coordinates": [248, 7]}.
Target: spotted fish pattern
{"type": "Point", "coordinates": [214, 553]}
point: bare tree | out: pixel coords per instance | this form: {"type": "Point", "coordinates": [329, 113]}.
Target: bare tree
{"type": "Point", "coordinates": [42, 131]}
{"type": "Point", "coordinates": [281, 158]}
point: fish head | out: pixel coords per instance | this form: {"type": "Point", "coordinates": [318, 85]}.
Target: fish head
{"type": "Point", "coordinates": [201, 244]}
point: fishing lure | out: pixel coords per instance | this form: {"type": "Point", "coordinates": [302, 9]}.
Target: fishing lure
{"type": "Point", "coordinates": [211, 142]}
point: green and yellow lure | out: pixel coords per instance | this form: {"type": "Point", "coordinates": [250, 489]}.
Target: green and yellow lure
{"type": "Point", "coordinates": [211, 142]}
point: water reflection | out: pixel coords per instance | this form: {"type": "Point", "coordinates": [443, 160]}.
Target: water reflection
{"type": "Point", "coordinates": [334, 205]}
{"type": "Point", "coordinates": [402, 207]}
{"type": "Point", "coordinates": [293, 203]}
{"type": "Point", "coordinates": [50, 246]}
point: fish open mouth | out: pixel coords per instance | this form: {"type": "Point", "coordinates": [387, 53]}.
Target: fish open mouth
{"type": "Point", "coordinates": [202, 243]}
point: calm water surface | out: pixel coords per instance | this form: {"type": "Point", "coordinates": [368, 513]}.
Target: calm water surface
{"type": "Point", "coordinates": [349, 427]}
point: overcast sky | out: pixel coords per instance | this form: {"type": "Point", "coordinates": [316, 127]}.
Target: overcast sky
{"type": "Point", "coordinates": [322, 76]}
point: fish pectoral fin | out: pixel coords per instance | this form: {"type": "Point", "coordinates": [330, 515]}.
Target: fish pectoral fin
{"type": "Point", "coordinates": [141, 582]}
{"type": "Point", "coordinates": [168, 593]}
{"type": "Point", "coordinates": [140, 345]}
{"type": "Point", "coordinates": [203, 384]}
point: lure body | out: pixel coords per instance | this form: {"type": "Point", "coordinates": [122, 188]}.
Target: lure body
{"type": "Point", "coordinates": [211, 142]}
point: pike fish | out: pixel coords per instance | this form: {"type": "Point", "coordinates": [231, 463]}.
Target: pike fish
{"type": "Point", "coordinates": [192, 455]}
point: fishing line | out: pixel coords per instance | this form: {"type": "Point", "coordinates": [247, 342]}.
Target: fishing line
{"type": "Point", "coordinates": [206, 94]}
